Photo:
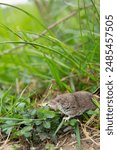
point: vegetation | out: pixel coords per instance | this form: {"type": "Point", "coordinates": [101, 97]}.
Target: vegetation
{"type": "Point", "coordinates": [46, 48]}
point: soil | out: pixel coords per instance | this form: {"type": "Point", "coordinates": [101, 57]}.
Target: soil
{"type": "Point", "coordinates": [89, 141]}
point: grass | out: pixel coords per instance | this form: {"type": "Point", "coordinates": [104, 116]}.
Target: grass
{"type": "Point", "coordinates": [42, 52]}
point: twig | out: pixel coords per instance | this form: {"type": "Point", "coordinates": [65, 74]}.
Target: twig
{"type": "Point", "coordinates": [60, 144]}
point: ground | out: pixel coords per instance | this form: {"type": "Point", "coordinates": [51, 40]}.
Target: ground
{"type": "Point", "coordinates": [66, 141]}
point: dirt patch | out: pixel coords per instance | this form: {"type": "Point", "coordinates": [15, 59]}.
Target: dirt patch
{"type": "Point", "coordinates": [89, 140]}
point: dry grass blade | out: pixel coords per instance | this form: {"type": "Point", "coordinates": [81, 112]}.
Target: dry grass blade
{"type": "Point", "coordinates": [87, 134]}
{"type": "Point", "coordinates": [5, 142]}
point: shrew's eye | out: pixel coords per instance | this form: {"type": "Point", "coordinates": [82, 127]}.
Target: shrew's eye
{"type": "Point", "coordinates": [67, 108]}
{"type": "Point", "coordinates": [73, 107]}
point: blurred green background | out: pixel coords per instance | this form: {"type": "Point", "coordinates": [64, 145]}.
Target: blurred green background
{"type": "Point", "coordinates": [67, 54]}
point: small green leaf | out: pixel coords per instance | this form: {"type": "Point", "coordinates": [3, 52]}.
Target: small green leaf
{"type": "Point", "coordinates": [49, 146]}
{"type": "Point", "coordinates": [10, 122]}
{"type": "Point", "coordinates": [33, 112]}
{"type": "Point", "coordinates": [7, 130]}
{"type": "Point", "coordinates": [46, 124]}
{"type": "Point", "coordinates": [21, 105]}
{"type": "Point", "coordinates": [38, 122]}
{"type": "Point", "coordinates": [95, 112]}
{"type": "Point", "coordinates": [26, 131]}
{"type": "Point", "coordinates": [90, 112]}
{"type": "Point", "coordinates": [44, 113]}
{"type": "Point", "coordinates": [27, 121]}
{"type": "Point", "coordinates": [73, 122]}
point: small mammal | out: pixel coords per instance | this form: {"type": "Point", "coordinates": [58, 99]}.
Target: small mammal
{"type": "Point", "coordinates": [74, 104]}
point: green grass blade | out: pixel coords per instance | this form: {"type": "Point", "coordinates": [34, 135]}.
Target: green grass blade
{"type": "Point", "coordinates": [77, 131]}
{"type": "Point", "coordinates": [10, 30]}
